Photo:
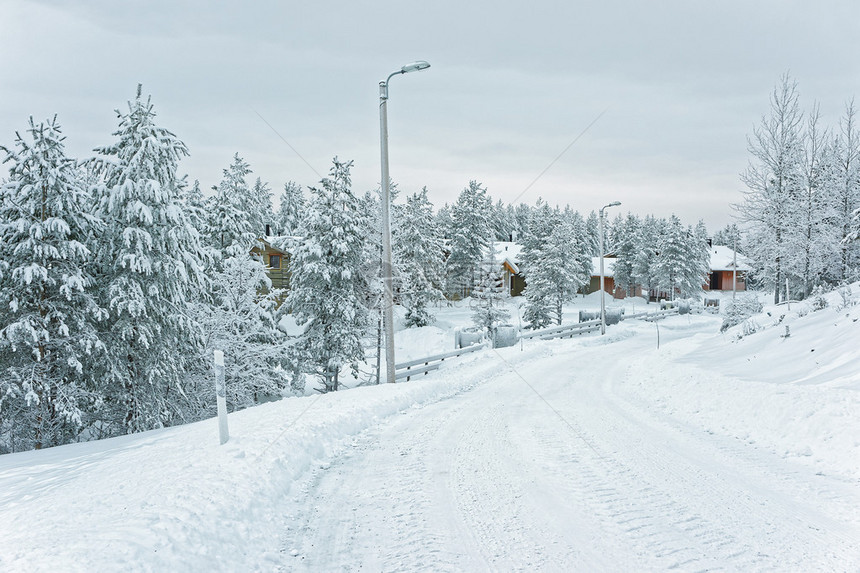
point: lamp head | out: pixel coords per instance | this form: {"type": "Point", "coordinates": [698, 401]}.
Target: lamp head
{"type": "Point", "coordinates": [614, 204]}
{"type": "Point", "coordinates": [414, 67]}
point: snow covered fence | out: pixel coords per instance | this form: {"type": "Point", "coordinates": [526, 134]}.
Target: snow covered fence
{"type": "Point", "coordinates": [424, 365]}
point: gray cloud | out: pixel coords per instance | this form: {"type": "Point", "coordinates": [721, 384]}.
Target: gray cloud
{"type": "Point", "coordinates": [682, 82]}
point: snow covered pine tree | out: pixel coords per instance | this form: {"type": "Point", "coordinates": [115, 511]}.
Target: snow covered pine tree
{"type": "Point", "coordinates": [148, 261]}
{"type": "Point", "coordinates": [327, 293]}
{"type": "Point", "coordinates": [48, 315]}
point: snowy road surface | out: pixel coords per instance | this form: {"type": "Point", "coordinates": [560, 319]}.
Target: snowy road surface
{"type": "Point", "coordinates": [559, 464]}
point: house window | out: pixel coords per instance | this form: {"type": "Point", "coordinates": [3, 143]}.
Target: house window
{"type": "Point", "coordinates": [275, 261]}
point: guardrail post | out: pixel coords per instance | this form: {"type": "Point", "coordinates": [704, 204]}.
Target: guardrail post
{"type": "Point", "coordinates": [221, 396]}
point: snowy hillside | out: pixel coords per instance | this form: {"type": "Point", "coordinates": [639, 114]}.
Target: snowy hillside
{"type": "Point", "coordinates": [712, 452]}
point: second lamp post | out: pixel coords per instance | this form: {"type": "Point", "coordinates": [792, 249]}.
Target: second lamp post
{"type": "Point", "coordinates": [602, 291]}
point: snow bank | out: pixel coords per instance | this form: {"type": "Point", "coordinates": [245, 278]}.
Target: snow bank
{"type": "Point", "coordinates": [174, 500]}
{"type": "Point", "coordinates": [797, 396]}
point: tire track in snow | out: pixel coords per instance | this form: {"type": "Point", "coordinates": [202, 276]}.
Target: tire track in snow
{"type": "Point", "coordinates": [719, 509]}
{"type": "Point", "coordinates": [492, 480]}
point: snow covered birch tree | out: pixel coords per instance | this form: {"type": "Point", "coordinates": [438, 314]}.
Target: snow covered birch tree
{"type": "Point", "coordinates": [846, 194]}
{"type": "Point", "coordinates": [48, 316]}
{"type": "Point", "coordinates": [327, 294]}
{"type": "Point", "coordinates": [771, 180]}
{"type": "Point", "coordinates": [241, 322]}
{"type": "Point", "coordinates": [149, 259]}
{"type": "Point", "coordinates": [809, 238]}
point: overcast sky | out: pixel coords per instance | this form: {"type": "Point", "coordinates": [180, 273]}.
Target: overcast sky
{"type": "Point", "coordinates": [680, 84]}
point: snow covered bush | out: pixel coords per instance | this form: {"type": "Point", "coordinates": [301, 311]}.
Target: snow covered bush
{"type": "Point", "coordinates": [737, 311]}
{"type": "Point", "coordinates": [750, 326]}
{"type": "Point", "coordinates": [819, 302]}
{"type": "Point", "coordinates": [845, 295]}
{"type": "Point", "coordinates": [240, 320]}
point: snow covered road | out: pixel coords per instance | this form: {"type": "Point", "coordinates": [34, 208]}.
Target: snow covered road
{"type": "Point", "coordinates": [593, 454]}
{"type": "Point", "coordinates": [558, 463]}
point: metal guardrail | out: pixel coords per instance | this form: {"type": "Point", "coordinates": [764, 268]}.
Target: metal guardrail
{"type": "Point", "coordinates": [564, 331]}
{"type": "Point", "coordinates": [642, 314]}
{"type": "Point", "coordinates": [424, 365]}
{"type": "Point", "coordinates": [410, 372]}
{"type": "Point", "coordinates": [656, 315]}
{"type": "Point", "coordinates": [570, 333]}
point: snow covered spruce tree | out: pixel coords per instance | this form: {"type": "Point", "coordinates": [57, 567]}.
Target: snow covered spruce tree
{"type": "Point", "coordinates": [592, 226]}
{"type": "Point", "coordinates": [418, 257]}
{"type": "Point", "coordinates": [501, 223]}
{"type": "Point", "coordinates": [148, 262]}
{"type": "Point", "coordinates": [239, 309]}
{"type": "Point", "coordinates": [260, 208]}
{"type": "Point", "coordinates": [471, 232]}
{"type": "Point", "coordinates": [626, 248]}
{"type": "Point", "coordinates": [370, 212]}
{"type": "Point", "coordinates": [542, 219]}
{"type": "Point", "coordinates": [231, 214]}
{"type": "Point", "coordinates": [682, 261]}
{"type": "Point", "coordinates": [327, 293]}
{"type": "Point", "coordinates": [194, 204]}
{"type": "Point", "coordinates": [644, 263]}
{"type": "Point", "coordinates": [288, 219]}
{"type": "Point", "coordinates": [561, 268]}
{"type": "Point", "coordinates": [489, 294]}
{"type": "Point", "coordinates": [772, 181]}
{"type": "Point", "coordinates": [48, 316]}
{"type": "Point", "coordinates": [729, 236]}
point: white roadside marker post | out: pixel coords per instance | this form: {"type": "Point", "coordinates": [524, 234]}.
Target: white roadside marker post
{"type": "Point", "coordinates": [221, 396]}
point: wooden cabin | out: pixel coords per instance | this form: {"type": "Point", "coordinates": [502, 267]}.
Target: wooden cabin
{"type": "Point", "coordinates": [277, 263]}
{"type": "Point", "coordinates": [608, 279]}
{"type": "Point", "coordinates": [724, 265]}
{"type": "Point", "coordinates": [508, 253]}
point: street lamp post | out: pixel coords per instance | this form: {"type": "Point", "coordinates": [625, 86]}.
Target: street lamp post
{"type": "Point", "coordinates": [387, 271]}
{"type": "Point", "coordinates": [602, 291]}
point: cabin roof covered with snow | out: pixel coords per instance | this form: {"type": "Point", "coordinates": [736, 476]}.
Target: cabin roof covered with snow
{"type": "Point", "coordinates": [722, 259]}
{"type": "Point", "coordinates": [608, 266]}
{"type": "Point", "coordinates": [508, 253]}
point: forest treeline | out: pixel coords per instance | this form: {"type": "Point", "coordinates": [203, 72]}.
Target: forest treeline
{"type": "Point", "coordinates": [119, 276]}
